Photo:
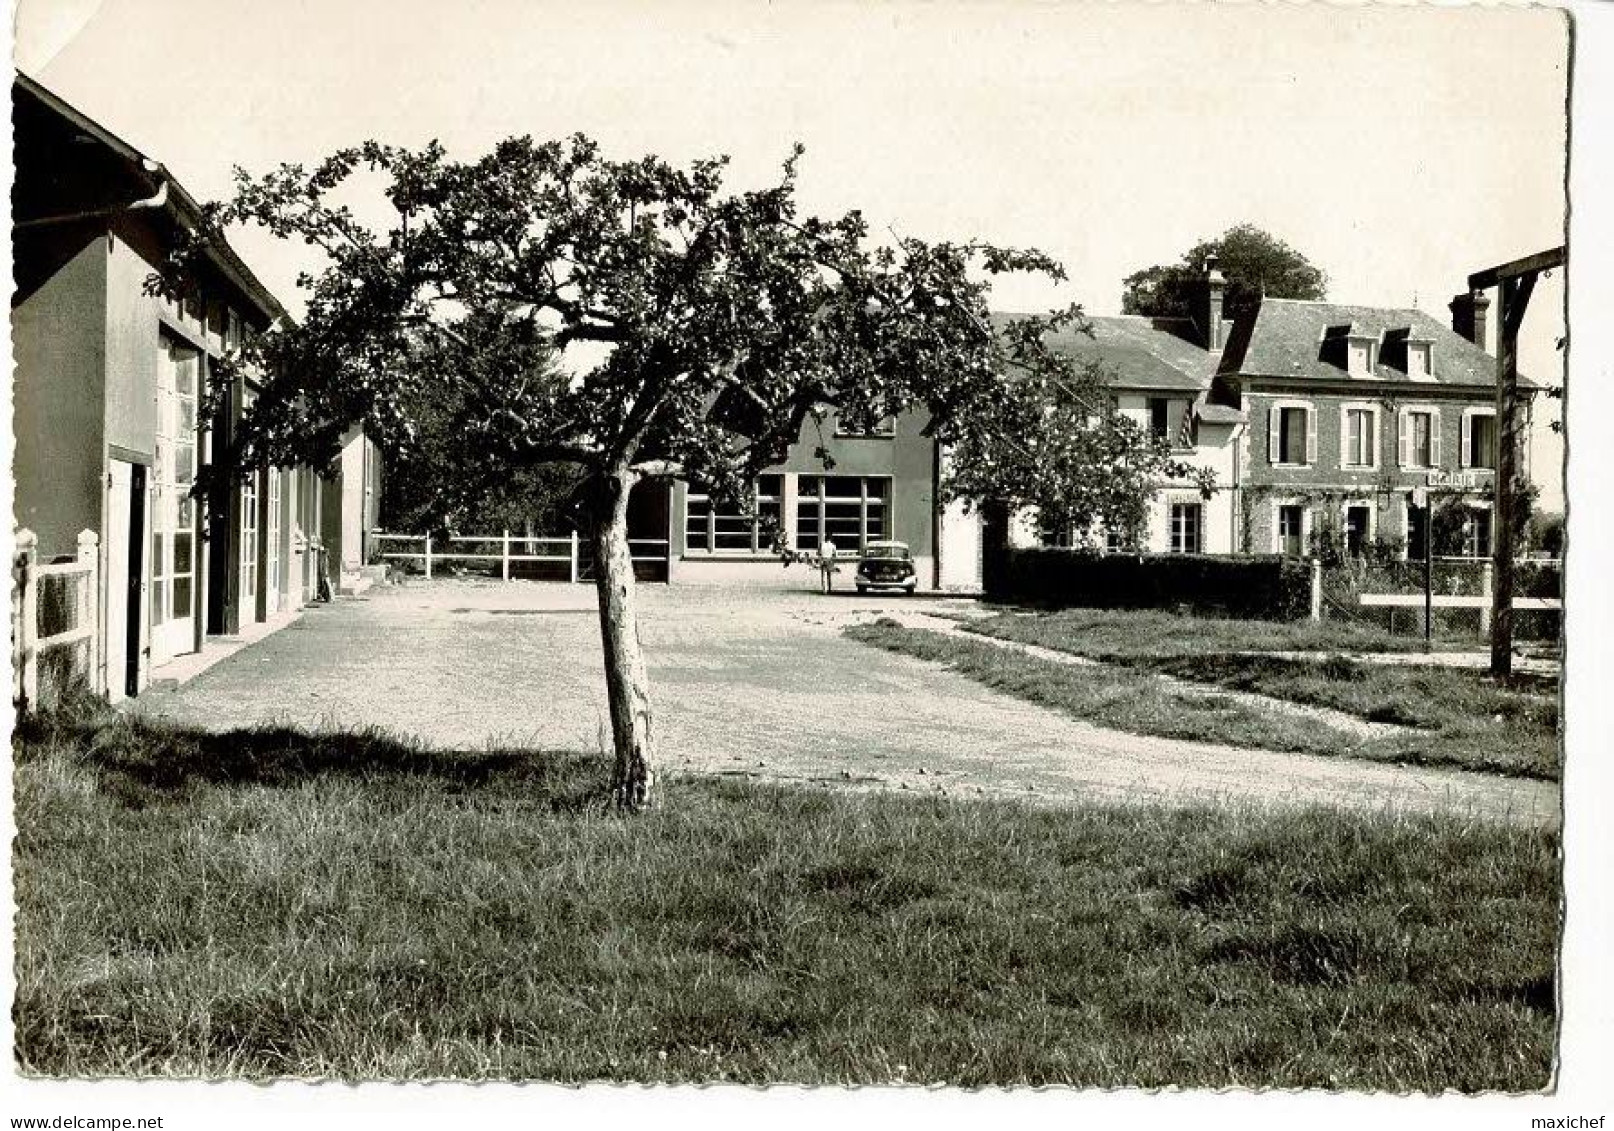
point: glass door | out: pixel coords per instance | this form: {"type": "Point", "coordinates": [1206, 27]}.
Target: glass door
{"type": "Point", "coordinates": [271, 568]}
{"type": "Point", "coordinates": [173, 516]}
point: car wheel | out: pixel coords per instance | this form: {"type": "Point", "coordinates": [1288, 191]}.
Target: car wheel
{"type": "Point", "coordinates": [910, 588]}
{"type": "Point", "coordinates": [863, 589]}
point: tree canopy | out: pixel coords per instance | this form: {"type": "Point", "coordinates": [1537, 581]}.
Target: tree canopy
{"type": "Point", "coordinates": [1254, 263]}
{"type": "Point", "coordinates": [704, 327]}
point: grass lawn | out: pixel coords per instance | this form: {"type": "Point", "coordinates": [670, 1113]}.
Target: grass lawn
{"type": "Point", "coordinates": [266, 904]}
{"type": "Point", "coordinates": [1462, 717]}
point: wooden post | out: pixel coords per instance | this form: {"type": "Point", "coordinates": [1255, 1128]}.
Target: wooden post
{"type": "Point", "coordinates": [25, 621]}
{"type": "Point", "coordinates": [1513, 295]}
{"type": "Point", "coordinates": [504, 558]}
{"type": "Point", "coordinates": [1316, 589]}
{"type": "Point", "coordinates": [1487, 590]}
{"type": "Point", "coordinates": [428, 557]}
{"type": "Point", "coordinates": [89, 608]}
{"type": "Point", "coordinates": [1514, 283]}
{"type": "Point", "coordinates": [1428, 574]}
{"type": "Point", "coordinates": [574, 557]}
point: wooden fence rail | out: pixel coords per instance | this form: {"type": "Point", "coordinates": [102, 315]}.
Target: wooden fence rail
{"type": "Point", "coordinates": [438, 550]}
{"type": "Point", "coordinates": [55, 621]}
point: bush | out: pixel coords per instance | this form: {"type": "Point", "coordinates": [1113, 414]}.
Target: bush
{"type": "Point", "coordinates": [1269, 587]}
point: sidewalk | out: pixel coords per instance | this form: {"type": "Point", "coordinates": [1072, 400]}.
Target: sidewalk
{"type": "Point", "coordinates": [183, 669]}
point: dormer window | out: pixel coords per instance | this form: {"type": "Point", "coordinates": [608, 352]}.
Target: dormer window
{"type": "Point", "coordinates": [1420, 362]}
{"type": "Point", "coordinates": [1361, 355]}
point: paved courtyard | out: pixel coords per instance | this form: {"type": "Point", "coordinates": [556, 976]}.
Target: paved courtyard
{"type": "Point", "coordinates": [752, 682]}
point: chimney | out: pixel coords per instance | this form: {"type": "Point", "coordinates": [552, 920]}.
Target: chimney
{"type": "Point", "coordinates": [1468, 316]}
{"type": "Point", "coordinates": [1215, 306]}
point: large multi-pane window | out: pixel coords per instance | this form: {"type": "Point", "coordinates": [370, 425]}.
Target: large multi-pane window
{"type": "Point", "coordinates": [249, 547]}
{"type": "Point", "coordinates": [712, 528]}
{"type": "Point", "coordinates": [849, 510]}
{"type": "Point", "coordinates": [272, 549]}
{"type": "Point", "coordinates": [883, 428]}
{"type": "Point", "coordinates": [173, 558]}
{"type": "Point", "coordinates": [1187, 520]}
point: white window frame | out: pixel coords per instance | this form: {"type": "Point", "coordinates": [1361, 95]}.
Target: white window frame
{"type": "Point", "coordinates": [1274, 430]}
{"type": "Point", "coordinates": [1370, 348]}
{"type": "Point", "coordinates": [1466, 438]}
{"type": "Point", "coordinates": [757, 546]}
{"type": "Point", "coordinates": [1345, 411]}
{"type": "Point", "coordinates": [1372, 520]}
{"type": "Point", "coordinates": [884, 429]}
{"type": "Point", "coordinates": [1427, 349]}
{"type": "Point", "coordinates": [1305, 524]}
{"type": "Point", "coordinates": [886, 504]}
{"type": "Point", "coordinates": [1404, 437]}
{"type": "Point", "coordinates": [1199, 525]}
{"type": "Point", "coordinates": [1473, 509]}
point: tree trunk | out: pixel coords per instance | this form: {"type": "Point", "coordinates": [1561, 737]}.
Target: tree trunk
{"type": "Point", "coordinates": [626, 683]}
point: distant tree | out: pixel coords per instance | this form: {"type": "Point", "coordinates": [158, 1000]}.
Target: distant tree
{"type": "Point", "coordinates": [1254, 262]}
{"type": "Point", "coordinates": [714, 325]}
{"type": "Point", "coordinates": [1547, 533]}
{"type": "Point", "coordinates": [430, 485]}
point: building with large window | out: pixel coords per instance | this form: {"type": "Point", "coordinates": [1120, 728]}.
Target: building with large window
{"type": "Point", "coordinates": [110, 385]}
{"type": "Point", "coordinates": [881, 485]}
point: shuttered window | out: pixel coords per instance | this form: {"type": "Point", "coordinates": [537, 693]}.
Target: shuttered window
{"type": "Point", "coordinates": [1420, 438]}
{"type": "Point", "coordinates": [1291, 434]}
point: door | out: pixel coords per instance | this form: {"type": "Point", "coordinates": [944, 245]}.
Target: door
{"type": "Point", "coordinates": [125, 579]}
{"type": "Point", "coordinates": [173, 511]}
{"type": "Point", "coordinates": [114, 649]}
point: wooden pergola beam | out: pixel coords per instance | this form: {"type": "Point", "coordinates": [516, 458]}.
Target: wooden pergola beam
{"type": "Point", "coordinates": [1529, 265]}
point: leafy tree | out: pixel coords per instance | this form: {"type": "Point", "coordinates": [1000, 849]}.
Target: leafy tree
{"type": "Point", "coordinates": [1253, 262]}
{"type": "Point", "coordinates": [711, 325]}
{"type": "Point", "coordinates": [430, 485]}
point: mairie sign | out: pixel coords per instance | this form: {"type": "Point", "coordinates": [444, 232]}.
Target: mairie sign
{"type": "Point", "coordinates": [1452, 481]}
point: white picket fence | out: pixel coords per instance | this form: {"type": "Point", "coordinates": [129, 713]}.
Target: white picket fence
{"type": "Point", "coordinates": [1481, 600]}
{"type": "Point", "coordinates": [55, 619]}
{"type": "Point", "coordinates": [507, 549]}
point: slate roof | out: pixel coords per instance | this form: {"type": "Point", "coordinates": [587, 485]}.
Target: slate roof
{"type": "Point", "coordinates": [1140, 353]}
{"type": "Point", "coordinates": [1284, 340]}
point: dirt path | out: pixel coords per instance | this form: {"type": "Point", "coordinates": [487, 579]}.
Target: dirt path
{"type": "Point", "coordinates": [755, 683]}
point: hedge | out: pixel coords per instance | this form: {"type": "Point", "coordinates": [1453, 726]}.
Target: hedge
{"type": "Point", "coordinates": [1266, 587]}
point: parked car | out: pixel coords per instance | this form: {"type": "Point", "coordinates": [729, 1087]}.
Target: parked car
{"type": "Point", "coordinates": [886, 565]}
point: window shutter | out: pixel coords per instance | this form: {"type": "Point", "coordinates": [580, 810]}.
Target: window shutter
{"type": "Point", "coordinates": [1274, 422]}
{"type": "Point", "coordinates": [1373, 448]}
{"type": "Point", "coordinates": [1345, 453]}
{"type": "Point", "coordinates": [1434, 437]}
{"type": "Point", "coordinates": [1311, 435]}
{"type": "Point", "coordinates": [1465, 453]}
{"type": "Point", "coordinates": [1404, 433]}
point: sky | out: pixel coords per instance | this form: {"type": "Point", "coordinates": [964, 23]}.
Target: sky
{"type": "Point", "coordinates": [1372, 139]}
{"type": "Point", "coordinates": [1400, 148]}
